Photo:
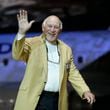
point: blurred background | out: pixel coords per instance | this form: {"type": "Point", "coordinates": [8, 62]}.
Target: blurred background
{"type": "Point", "coordinates": [86, 28]}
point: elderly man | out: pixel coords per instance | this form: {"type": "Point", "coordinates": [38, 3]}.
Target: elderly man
{"type": "Point", "coordinates": [49, 67]}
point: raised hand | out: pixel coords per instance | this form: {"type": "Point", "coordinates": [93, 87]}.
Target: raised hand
{"type": "Point", "coordinates": [23, 24]}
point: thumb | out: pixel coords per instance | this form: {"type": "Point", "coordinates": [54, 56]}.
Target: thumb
{"type": "Point", "coordinates": [31, 22]}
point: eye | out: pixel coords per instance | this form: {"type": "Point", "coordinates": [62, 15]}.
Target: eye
{"type": "Point", "coordinates": [56, 27]}
{"type": "Point", "coordinates": [50, 26]}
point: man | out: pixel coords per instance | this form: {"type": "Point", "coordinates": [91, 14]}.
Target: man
{"type": "Point", "coordinates": [49, 67]}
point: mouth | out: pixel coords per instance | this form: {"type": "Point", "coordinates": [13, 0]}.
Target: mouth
{"type": "Point", "coordinates": [52, 34]}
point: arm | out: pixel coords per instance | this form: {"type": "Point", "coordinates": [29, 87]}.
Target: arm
{"type": "Point", "coordinates": [21, 47]}
{"type": "Point", "coordinates": [79, 84]}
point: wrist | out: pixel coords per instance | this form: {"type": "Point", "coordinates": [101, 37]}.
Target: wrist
{"type": "Point", "coordinates": [21, 32]}
{"type": "Point", "coordinates": [20, 36]}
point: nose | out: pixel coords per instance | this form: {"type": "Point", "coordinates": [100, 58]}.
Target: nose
{"type": "Point", "coordinates": [53, 29]}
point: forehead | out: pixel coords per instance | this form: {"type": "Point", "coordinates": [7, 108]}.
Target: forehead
{"type": "Point", "coordinates": [53, 20]}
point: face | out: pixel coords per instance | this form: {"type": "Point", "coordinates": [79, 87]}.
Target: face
{"type": "Point", "coordinates": [52, 29]}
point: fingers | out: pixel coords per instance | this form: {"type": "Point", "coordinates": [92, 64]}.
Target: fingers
{"type": "Point", "coordinates": [23, 24]}
{"type": "Point", "coordinates": [92, 99]}
{"type": "Point", "coordinates": [22, 15]}
{"type": "Point", "coordinates": [89, 97]}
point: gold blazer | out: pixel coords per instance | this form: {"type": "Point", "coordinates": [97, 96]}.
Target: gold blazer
{"type": "Point", "coordinates": [33, 52]}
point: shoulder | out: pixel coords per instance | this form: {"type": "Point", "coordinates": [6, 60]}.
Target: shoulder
{"type": "Point", "coordinates": [34, 40]}
{"type": "Point", "coordinates": [66, 46]}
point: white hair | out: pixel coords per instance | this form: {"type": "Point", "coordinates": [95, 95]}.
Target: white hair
{"type": "Point", "coordinates": [45, 21]}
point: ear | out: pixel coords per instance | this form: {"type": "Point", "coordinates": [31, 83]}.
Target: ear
{"type": "Point", "coordinates": [60, 30]}
{"type": "Point", "coordinates": [42, 28]}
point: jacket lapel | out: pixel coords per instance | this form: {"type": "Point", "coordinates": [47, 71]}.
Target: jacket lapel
{"type": "Point", "coordinates": [62, 62]}
{"type": "Point", "coordinates": [44, 57]}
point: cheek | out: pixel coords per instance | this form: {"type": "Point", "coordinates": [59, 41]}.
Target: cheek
{"type": "Point", "coordinates": [45, 30]}
{"type": "Point", "coordinates": [58, 31]}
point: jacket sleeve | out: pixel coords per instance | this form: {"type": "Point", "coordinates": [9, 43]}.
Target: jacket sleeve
{"type": "Point", "coordinates": [21, 49]}
{"type": "Point", "coordinates": [76, 79]}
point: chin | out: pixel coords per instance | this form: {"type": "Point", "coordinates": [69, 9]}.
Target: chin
{"type": "Point", "coordinates": [52, 40]}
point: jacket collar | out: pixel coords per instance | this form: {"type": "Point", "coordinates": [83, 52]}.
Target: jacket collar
{"type": "Point", "coordinates": [43, 37]}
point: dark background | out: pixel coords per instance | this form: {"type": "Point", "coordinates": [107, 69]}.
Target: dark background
{"type": "Point", "coordinates": [76, 15]}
